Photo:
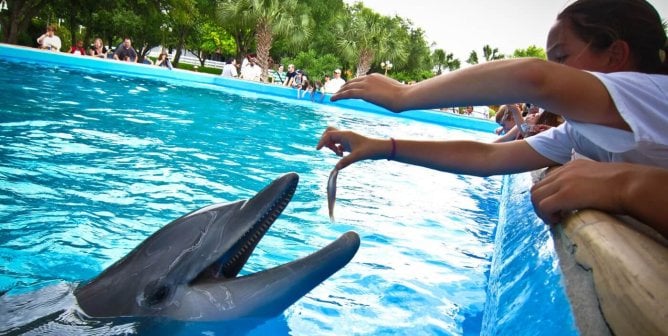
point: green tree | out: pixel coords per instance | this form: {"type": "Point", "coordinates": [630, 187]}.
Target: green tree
{"type": "Point", "coordinates": [182, 18]}
{"type": "Point", "coordinates": [531, 51]}
{"type": "Point", "coordinates": [17, 18]}
{"type": "Point", "coordinates": [443, 60]}
{"type": "Point", "coordinates": [268, 18]}
{"type": "Point", "coordinates": [365, 36]}
{"type": "Point", "coordinates": [209, 38]}
{"type": "Point", "coordinates": [473, 58]}
{"type": "Point", "coordinates": [491, 54]}
{"type": "Point", "coordinates": [315, 65]}
{"type": "Point", "coordinates": [418, 63]}
{"type": "Point", "coordinates": [439, 58]}
{"type": "Point", "coordinates": [324, 14]}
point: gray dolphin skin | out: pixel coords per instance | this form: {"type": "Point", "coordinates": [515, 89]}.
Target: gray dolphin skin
{"type": "Point", "coordinates": [188, 269]}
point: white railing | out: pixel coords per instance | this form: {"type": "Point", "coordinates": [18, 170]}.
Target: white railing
{"type": "Point", "coordinates": [207, 63]}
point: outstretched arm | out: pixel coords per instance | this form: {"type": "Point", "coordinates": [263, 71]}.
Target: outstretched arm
{"type": "Point", "coordinates": [462, 157]}
{"type": "Point", "coordinates": [575, 94]}
{"type": "Point", "coordinates": [636, 190]}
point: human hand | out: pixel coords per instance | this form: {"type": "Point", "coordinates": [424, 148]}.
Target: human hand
{"type": "Point", "coordinates": [376, 89]}
{"type": "Point", "coordinates": [577, 185]}
{"type": "Point", "coordinates": [359, 146]}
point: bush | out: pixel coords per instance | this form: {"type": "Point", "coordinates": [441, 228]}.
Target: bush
{"type": "Point", "coordinates": [316, 67]}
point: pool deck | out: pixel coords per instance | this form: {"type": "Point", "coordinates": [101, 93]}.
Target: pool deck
{"type": "Point", "coordinates": [32, 55]}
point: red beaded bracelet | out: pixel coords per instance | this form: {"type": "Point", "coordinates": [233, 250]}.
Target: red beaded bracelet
{"type": "Point", "coordinates": [393, 153]}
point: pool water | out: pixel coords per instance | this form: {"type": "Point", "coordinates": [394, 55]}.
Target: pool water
{"type": "Point", "coordinates": [92, 163]}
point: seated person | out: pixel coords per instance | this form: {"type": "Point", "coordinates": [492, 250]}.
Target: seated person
{"type": "Point", "coordinates": [78, 49]}
{"type": "Point", "coordinates": [230, 68]}
{"type": "Point", "coordinates": [279, 75]}
{"type": "Point", "coordinates": [163, 61]}
{"type": "Point", "coordinates": [251, 71]}
{"type": "Point", "coordinates": [290, 75]}
{"type": "Point", "coordinates": [335, 84]}
{"type": "Point", "coordinates": [317, 89]}
{"type": "Point", "coordinates": [98, 49]}
{"type": "Point", "coordinates": [49, 40]}
{"type": "Point", "coordinates": [298, 80]}
{"type": "Point", "coordinates": [125, 52]}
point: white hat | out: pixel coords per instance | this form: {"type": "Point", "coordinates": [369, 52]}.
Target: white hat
{"type": "Point", "coordinates": [338, 71]}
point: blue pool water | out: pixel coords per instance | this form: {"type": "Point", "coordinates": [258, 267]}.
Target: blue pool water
{"type": "Point", "coordinates": [92, 163]}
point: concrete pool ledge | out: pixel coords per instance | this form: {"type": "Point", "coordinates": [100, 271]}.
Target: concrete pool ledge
{"type": "Point", "coordinates": [615, 273]}
{"type": "Point", "coordinates": [33, 55]}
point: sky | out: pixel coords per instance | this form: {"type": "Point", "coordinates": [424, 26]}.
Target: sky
{"type": "Point", "coordinates": [460, 26]}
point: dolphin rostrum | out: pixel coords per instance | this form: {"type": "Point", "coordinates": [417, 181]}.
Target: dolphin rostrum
{"type": "Point", "coordinates": [188, 269]}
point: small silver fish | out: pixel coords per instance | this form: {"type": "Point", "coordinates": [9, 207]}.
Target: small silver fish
{"type": "Point", "coordinates": [331, 192]}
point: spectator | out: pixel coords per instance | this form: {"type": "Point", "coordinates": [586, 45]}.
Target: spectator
{"type": "Point", "coordinates": [251, 71]}
{"type": "Point", "coordinates": [78, 49]}
{"type": "Point", "coordinates": [98, 49]}
{"type": "Point", "coordinates": [49, 40]}
{"type": "Point", "coordinates": [290, 75]}
{"type": "Point", "coordinates": [230, 68]}
{"type": "Point", "coordinates": [125, 52]}
{"type": "Point", "coordinates": [279, 75]}
{"type": "Point", "coordinates": [297, 81]}
{"type": "Point", "coordinates": [163, 60]}
{"type": "Point", "coordinates": [317, 89]}
{"type": "Point", "coordinates": [335, 84]}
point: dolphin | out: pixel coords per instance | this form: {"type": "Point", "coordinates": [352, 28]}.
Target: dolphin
{"type": "Point", "coordinates": [188, 269]}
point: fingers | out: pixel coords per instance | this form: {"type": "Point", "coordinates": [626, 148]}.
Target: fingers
{"type": "Point", "coordinates": [325, 138]}
{"type": "Point", "coordinates": [348, 93]}
{"type": "Point", "coordinates": [354, 88]}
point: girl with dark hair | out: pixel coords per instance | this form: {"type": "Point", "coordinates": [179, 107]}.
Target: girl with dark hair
{"type": "Point", "coordinates": [606, 76]}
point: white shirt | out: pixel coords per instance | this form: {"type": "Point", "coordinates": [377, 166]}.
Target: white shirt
{"type": "Point", "coordinates": [642, 101]}
{"type": "Point", "coordinates": [50, 43]}
{"type": "Point", "coordinates": [251, 72]}
{"type": "Point", "coordinates": [229, 70]}
{"type": "Point", "coordinates": [334, 85]}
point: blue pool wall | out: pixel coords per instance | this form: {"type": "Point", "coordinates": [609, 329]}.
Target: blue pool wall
{"type": "Point", "coordinates": [525, 292]}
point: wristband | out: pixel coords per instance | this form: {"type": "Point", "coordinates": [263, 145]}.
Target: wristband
{"type": "Point", "coordinates": [393, 153]}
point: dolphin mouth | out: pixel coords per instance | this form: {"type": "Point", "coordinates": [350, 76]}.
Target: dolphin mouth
{"type": "Point", "coordinates": [232, 261]}
{"type": "Point", "coordinates": [246, 245]}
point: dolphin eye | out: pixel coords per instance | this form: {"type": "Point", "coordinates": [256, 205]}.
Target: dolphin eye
{"type": "Point", "coordinates": [156, 293]}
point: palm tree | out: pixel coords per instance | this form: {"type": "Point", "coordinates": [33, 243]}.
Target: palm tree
{"type": "Point", "coordinates": [439, 59]}
{"type": "Point", "coordinates": [365, 36]}
{"type": "Point", "coordinates": [473, 58]}
{"type": "Point", "coordinates": [491, 54]}
{"type": "Point", "coordinates": [268, 19]}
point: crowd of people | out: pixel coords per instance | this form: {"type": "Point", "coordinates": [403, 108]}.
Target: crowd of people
{"type": "Point", "coordinates": [249, 69]}
{"type": "Point", "coordinates": [123, 52]}
{"type": "Point", "coordinates": [293, 78]}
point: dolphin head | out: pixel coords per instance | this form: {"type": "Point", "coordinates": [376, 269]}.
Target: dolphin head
{"type": "Point", "coordinates": [188, 269]}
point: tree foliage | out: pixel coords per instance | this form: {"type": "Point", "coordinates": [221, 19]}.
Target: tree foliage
{"type": "Point", "coordinates": [316, 35]}
{"type": "Point", "coordinates": [531, 51]}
